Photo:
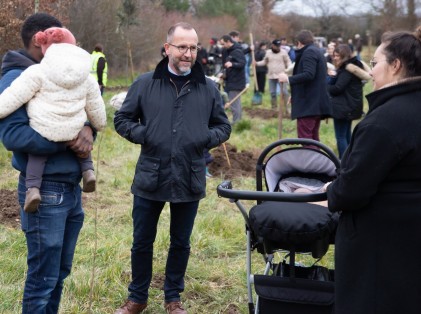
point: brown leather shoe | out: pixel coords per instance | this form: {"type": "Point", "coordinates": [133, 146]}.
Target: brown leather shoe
{"type": "Point", "coordinates": [32, 200]}
{"type": "Point", "coordinates": [174, 308]}
{"type": "Point", "coordinates": [89, 181]}
{"type": "Point", "coordinates": [130, 307]}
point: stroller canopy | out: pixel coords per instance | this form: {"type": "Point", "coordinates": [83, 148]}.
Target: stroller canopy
{"type": "Point", "coordinates": [297, 160]}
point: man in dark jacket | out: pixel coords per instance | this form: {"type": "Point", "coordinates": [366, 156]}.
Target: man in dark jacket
{"type": "Point", "coordinates": [175, 113]}
{"type": "Point", "coordinates": [235, 80]}
{"type": "Point", "coordinates": [309, 97]}
{"type": "Point", "coordinates": [235, 35]}
{"type": "Point", "coordinates": [51, 232]}
{"type": "Point", "coordinates": [215, 56]}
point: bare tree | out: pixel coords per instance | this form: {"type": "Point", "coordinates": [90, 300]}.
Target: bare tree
{"type": "Point", "coordinates": [411, 15]}
{"type": "Point", "coordinates": [13, 14]}
{"type": "Point", "coordinates": [260, 13]}
{"type": "Point", "coordinates": [327, 11]}
{"type": "Point", "coordinates": [126, 19]}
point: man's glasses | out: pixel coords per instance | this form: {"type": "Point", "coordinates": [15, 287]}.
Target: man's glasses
{"type": "Point", "coordinates": [183, 49]}
{"type": "Point", "coordinates": [373, 63]}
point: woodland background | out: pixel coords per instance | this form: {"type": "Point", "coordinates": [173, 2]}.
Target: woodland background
{"type": "Point", "coordinates": [138, 27]}
{"type": "Point", "coordinates": [216, 275]}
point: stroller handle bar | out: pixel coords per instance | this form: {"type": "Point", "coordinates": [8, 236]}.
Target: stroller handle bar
{"type": "Point", "coordinates": [225, 190]}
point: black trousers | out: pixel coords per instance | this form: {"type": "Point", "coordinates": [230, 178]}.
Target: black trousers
{"type": "Point", "coordinates": [261, 81]}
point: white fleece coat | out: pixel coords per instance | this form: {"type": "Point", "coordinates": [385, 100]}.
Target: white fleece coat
{"type": "Point", "coordinates": [277, 63]}
{"type": "Point", "coordinates": [60, 92]}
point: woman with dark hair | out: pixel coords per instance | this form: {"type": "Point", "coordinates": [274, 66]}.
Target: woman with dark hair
{"type": "Point", "coordinates": [378, 190]}
{"type": "Point", "coordinates": [346, 94]}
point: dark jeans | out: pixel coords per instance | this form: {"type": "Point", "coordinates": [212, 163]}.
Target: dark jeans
{"type": "Point", "coordinates": [145, 219]}
{"type": "Point", "coordinates": [308, 127]}
{"type": "Point", "coordinates": [51, 235]}
{"type": "Point", "coordinates": [36, 164]}
{"type": "Point", "coordinates": [343, 134]}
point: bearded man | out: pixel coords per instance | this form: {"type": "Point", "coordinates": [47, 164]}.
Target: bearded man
{"type": "Point", "coordinates": [174, 113]}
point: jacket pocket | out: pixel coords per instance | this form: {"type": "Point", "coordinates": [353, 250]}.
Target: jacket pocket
{"type": "Point", "coordinates": [197, 176]}
{"type": "Point", "coordinates": [147, 173]}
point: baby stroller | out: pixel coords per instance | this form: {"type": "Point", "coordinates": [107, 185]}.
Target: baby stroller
{"type": "Point", "coordinates": [284, 223]}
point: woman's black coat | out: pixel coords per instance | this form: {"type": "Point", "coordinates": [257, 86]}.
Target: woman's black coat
{"type": "Point", "coordinates": [378, 190]}
{"type": "Point", "coordinates": [346, 95]}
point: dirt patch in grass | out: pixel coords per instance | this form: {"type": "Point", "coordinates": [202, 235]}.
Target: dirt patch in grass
{"type": "Point", "coordinates": [238, 164]}
{"type": "Point", "coordinates": [261, 113]}
{"type": "Point", "coordinates": [158, 281]}
{"type": "Point", "coordinates": [232, 309]}
{"type": "Point", "coordinates": [9, 208]}
{"type": "Point", "coordinates": [231, 163]}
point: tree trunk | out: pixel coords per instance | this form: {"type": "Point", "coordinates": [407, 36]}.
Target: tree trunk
{"type": "Point", "coordinates": [412, 17]}
{"type": "Point", "coordinates": [129, 54]}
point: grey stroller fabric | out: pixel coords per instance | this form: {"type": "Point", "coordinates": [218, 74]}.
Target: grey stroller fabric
{"type": "Point", "coordinates": [296, 160]}
{"type": "Point", "coordinates": [292, 184]}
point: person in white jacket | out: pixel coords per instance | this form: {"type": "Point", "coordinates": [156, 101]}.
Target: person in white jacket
{"type": "Point", "coordinates": [61, 96]}
{"type": "Point", "coordinates": [277, 61]}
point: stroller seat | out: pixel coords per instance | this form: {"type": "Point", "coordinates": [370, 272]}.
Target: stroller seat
{"type": "Point", "coordinates": [289, 219]}
{"type": "Point", "coordinates": [302, 227]}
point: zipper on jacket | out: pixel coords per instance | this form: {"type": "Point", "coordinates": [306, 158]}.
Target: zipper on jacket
{"type": "Point", "coordinates": [175, 85]}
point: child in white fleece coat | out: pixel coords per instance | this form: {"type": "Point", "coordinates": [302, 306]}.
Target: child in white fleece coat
{"type": "Point", "coordinates": [61, 96]}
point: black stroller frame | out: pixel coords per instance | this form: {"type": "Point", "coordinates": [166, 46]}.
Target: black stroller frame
{"type": "Point", "coordinates": [291, 223]}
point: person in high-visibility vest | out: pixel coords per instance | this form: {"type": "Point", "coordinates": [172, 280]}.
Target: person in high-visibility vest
{"type": "Point", "coordinates": [99, 68]}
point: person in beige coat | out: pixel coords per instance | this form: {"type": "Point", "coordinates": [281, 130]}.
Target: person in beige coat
{"type": "Point", "coordinates": [61, 96]}
{"type": "Point", "coordinates": [277, 61]}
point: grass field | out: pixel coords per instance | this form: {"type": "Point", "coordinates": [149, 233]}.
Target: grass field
{"type": "Point", "coordinates": [215, 281]}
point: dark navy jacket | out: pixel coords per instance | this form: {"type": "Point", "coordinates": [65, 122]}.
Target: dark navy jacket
{"type": "Point", "coordinates": [17, 136]}
{"type": "Point", "coordinates": [173, 130]}
{"type": "Point", "coordinates": [309, 95]}
{"type": "Point", "coordinates": [236, 75]}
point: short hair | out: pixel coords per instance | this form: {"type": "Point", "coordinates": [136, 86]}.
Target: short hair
{"type": "Point", "coordinates": [172, 29]}
{"type": "Point", "coordinates": [305, 37]}
{"type": "Point", "coordinates": [35, 23]}
{"type": "Point", "coordinates": [98, 48]}
{"type": "Point", "coordinates": [234, 34]}
{"type": "Point", "coordinates": [405, 46]}
{"type": "Point", "coordinates": [227, 38]}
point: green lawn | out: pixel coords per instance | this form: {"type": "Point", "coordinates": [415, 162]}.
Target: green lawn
{"type": "Point", "coordinates": [215, 279]}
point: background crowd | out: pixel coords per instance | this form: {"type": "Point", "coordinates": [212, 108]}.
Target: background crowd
{"type": "Point", "coordinates": [308, 79]}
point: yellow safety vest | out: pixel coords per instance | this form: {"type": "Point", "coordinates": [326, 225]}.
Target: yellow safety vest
{"type": "Point", "coordinates": [94, 58]}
